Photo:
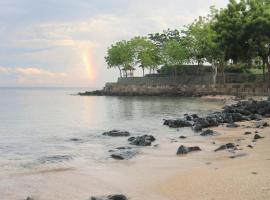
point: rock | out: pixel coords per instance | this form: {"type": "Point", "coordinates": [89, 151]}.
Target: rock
{"type": "Point", "coordinates": [29, 198]}
{"type": "Point", "coordinates": [184, 150]}
{"type": "Point", "coordinates": [117, 133]}
{"type": "Point", "coordinates": [255, 117]}
{"type": "Point", "coordinates": [145, 140]}
{"type": "Point", "coordinates": [241, 111]}
{"type": "Point", "coordinates": [197, 128]}
{"type": "Point", "coordinates": [110, 197]}
{"type": "Point", "coordinates": [247, 133]}
{"type": "Point", "coordinates": [177, 123]}
{"type": "Point", "coordinates": [121, 148]}
{"type": "Point", "coordinates": [232, 125]}
{"type": "Point", "coordinates": [202, 122]}
{"type": "Point", "coordinates": [75, 139]}
{"type": "Point", "coordinates": [257, 136]}
{"type": "Point", "coordinates": [250, 146]}
{"type": "Point", "coordinates": [261, 124]}
{"type": "Point", "coordinates": [123, 155]}
{"type": "Point", "coordinates": [207, 132]}
{"type": "Point", "coordinates": [182, 137]}
{"type": "Point", "coordinates": [226, 146]}
{"type": "Point", "coordinates": [238, 155]}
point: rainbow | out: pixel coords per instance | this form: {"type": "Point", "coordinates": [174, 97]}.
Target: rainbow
{"type": "Point", "coordinates": [87, 61]}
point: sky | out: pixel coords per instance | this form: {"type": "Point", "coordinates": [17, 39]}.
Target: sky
{"type": "Point", "coordinates": [62, 43]}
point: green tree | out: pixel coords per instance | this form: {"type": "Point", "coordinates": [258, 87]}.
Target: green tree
{"type": "Point", "coordinates": [146, 53]}
{"type": "Point", "coordinates": [257, 30]}
{"type": "Point", "coordinates": [120, 55]}
{"type": "Point", "coordinates": [160, 39]}
{"type": "Point", "coordinates": [174, 54]}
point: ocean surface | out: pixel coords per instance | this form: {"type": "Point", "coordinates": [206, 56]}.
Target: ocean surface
{"type": "Point", "coordinates": [46, 128]}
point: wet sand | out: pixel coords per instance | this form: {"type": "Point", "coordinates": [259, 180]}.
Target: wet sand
{"type": "Point", "coordinates": [158, 174]}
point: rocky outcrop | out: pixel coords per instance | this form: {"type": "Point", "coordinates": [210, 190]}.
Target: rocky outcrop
{"type": "Point", "coordinates": [117, 133]}
{"type": "Point", "coordinates": [242, 111]}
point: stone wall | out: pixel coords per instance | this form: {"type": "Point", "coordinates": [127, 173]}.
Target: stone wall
{"type": "Point", "coordinates": [187, 90]}
{"type": "Point", "coordinates": [205, 79]}
{"type": "Point", "coordinates": [167, 80]}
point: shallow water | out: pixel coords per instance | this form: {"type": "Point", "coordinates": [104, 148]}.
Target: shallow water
{"type": "Point", "coordinates": [38, 126]}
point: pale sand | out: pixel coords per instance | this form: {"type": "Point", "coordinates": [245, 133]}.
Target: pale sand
{"type": "Point", "coordinates": [158, 174]}
{"type": "Point", "coordinates": [241, 178]}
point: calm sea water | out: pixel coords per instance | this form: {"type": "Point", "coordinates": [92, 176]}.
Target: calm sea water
{"type": "Point", "coordinates": [36, 125]}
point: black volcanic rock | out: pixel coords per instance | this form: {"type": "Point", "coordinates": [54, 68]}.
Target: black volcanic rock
{"type": "Point", "coordinates": [207, 132]}
{"type": "Point", "coordinates": [257, 136]}
{"type": "Point", "coordinates": [184, 150]}
{"type": "Point", "coordinates": [110, 197]}
{"type": "Point", "coordinates": [226, 146]}
{"type": "Point", "coordinates": [117, 133]}
{"type": "Point", "coordinates": [145, 140]}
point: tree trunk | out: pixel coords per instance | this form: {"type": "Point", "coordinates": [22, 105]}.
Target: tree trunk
{"type": "Point", "coordinates": [120, 71]}
{"type": "Point", "coordinates": [175, 71]}
{"type": "Point", "coordinates": [143, 71]}
{"type": "Point", "coordinates": [268, 68]}
{"type": "Point", "coordinates": [215, 73]}
{"type": "Point", "coordinates": [264, 64]}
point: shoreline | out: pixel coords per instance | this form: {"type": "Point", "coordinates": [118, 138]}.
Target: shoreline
{"type": "Point", "coordinates": [157, 173]}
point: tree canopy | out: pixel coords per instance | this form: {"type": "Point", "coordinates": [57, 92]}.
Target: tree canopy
{"type": "Point", "coordinates": [238, 34]}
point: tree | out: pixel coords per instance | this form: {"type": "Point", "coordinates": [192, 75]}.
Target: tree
{"type": "Point", "coordinates": [160, 39]}
{"type": "Point", "coordinates": [199, 40]}
{"type": "Point", "coordinates": [257, 30]}
{"type": "Point", "coordinates": [229, 26]}
{"type": "Point", "coordinates": [120, 55]}
{"type": "Point", "coordinates": [174, 54]}
{"type": "Point", "coordinates": [146, 53]}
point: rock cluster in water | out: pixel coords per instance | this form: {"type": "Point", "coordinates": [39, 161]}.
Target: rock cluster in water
{"type": "Point", "coordinates": [242, 111]}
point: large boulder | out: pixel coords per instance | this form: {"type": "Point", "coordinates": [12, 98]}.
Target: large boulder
{"type": "Point", "coordinates": [110, 197]}
{"type": "Point", "coordinates": [117, 133]}
{"type": "Point", "coordinates": [184, 150]}
{"type": "Point", "coordinates": [145, 140]}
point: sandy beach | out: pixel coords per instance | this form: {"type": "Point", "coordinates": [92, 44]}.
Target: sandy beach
{"type": "Point", "coordinates": [158, 174]}
{"type": "Point", "coordinates": [243, 177]}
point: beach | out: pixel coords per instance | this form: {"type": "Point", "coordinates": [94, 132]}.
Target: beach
{"type": "Point", "coordinates": [62, 156]}
{"type": "Point", "coordinates": [244, 177]}
{"type": "Point", "coordinates": [157, 173]}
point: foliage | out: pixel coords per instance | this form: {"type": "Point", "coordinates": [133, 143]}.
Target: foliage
{"type": "Point", "coordinates": [120, 55]}
{"type": "Point", "coordinates": [236, 38]}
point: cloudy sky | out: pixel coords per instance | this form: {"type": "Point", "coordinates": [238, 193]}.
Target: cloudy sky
{"type": "Point", "coordinates": [63, 42]}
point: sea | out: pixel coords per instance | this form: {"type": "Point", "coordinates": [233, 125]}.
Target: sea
{"type": "Point", "coordinates": [52, 128]}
